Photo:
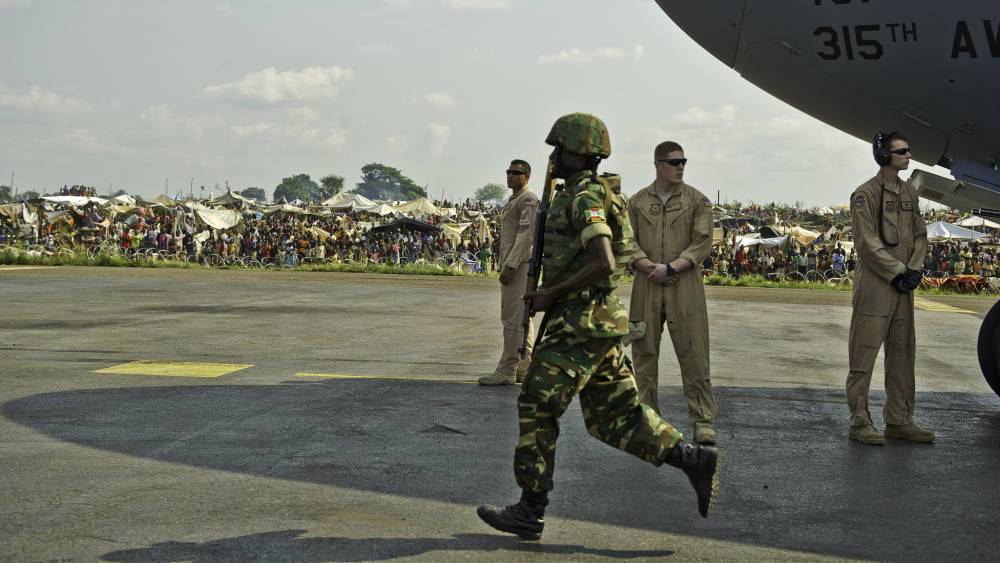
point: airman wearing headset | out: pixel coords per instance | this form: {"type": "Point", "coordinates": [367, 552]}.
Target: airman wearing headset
{"type": "Point", "coordinates": [891, 241]}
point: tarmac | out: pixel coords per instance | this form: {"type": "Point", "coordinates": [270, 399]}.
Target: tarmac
{"type": "Point", "coordinates": [197, 415]}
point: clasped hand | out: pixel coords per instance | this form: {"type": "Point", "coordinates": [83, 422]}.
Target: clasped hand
{"type": "Point", "coordinates": [907, 281]}
{"type": "Point", "coordinates": [661, 275]}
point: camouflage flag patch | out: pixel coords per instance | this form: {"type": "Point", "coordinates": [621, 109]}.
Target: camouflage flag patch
{"type": "Point", "coordinates": [594, 215]}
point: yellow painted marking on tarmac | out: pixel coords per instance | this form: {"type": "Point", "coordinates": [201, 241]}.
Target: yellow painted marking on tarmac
{"type": "Point", "coordinates": [174, 369]}
{"type": "Point", "coordinates": [928, 305]}
{"type": "Point", "coordinates": [380, 377]}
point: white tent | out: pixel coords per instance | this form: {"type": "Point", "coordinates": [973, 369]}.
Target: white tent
{"type": "Point", "coordinates": [285, 208]}
{"type": "Point", "coordinates": [123, 199]}
{"type": "Point", "coordinates": [74, 200]}
{"type": "Point", "coordinates": [337, 198]}
{"type": "Point", "coordinates": [419, 207]}
{"type": "Point", "coordinates": [383, 209]}
{"type": "Point", "coordinates": [939, 230]}
{"type": "Point", "coordinates": [230, 198]}
{"type": "Point", "coordinates": [355, 202]}
{"type": "Point", "coordinates": [219, 218]}
{"type": "Point", "coordinates": [755, 239]}
{"type": "Point", "coordinates": [975, 221]}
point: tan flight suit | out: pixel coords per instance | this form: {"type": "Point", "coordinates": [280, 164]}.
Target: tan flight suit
{"type": "Point", "coordinates": [881, 313]}
{"type": "Point", "coordinates": [681, 227]}
{"type": "Point", "coordinates": [517, 223]}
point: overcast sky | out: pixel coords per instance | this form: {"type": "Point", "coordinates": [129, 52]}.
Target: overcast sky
{"type": "Point", "coordinates": [135, 92]}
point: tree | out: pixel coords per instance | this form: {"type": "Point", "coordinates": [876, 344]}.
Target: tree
{"type": "Point", "coordinates": [379, 181]}
{"type": "Point", "coordinates": [489, 192]}
{"type": "Point", "coordinates": [254, 193]}
{"type": "Point", "coordinates": [30, 194]}
{"type": "Point", "coordinates": [295, 187]}
{"type": "Point", "coordinates": [6, 194]}
{"type": "Point", "coordinates": [332, 185]}
{"type": "Point", "coordinates": [120, 192]}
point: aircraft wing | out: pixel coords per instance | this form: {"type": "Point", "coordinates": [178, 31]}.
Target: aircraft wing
{"type": "Point", "coordinates": [958, 194]}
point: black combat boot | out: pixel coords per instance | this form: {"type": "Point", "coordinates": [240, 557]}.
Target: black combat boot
{"type": "Point", "coordinates": [701, 465]}
{"type": "Point", "coordinates": [526, 518]}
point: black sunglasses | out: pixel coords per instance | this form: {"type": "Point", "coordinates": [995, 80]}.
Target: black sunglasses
{"type": "Point", "coordinates": [901, 152]}
{"type": "Point", "coordinates": [516, 173]}
{"type": "Point", "coordinates": [673, 161]}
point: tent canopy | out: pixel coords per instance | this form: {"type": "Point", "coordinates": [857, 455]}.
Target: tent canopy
{"type": "Point", "coordinates": [939, 230]}
{"type": "Point", "coordinates": [383, 209]}
{"type": "Point", "coordinates": [419, 207]}
{"type": "Point", "coordinates": [975, 221]}
{"type": "Point", "coordinates": [74, 200]}
{"type": "Point", "coordinates": [407, 223]}
{"type": "Point", "coordinates": [356, 202]}
{"type": "Point", "coordinates": [454, 231]}
{"type": "Point", "coordinates": [230, 198]}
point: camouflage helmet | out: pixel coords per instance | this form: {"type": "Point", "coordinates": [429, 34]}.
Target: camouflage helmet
{"type": "Point", "coordinates": [581, 133]}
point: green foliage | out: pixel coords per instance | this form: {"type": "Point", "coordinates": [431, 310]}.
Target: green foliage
{"type": "Point", "coordinates": [255, 193]}
{"type": "Point", "coordinates": [119, 192]}
{"type": "Point", "coordinates": [331, 185]}
{"type": "Point", "coordinates": [295, 187]}
{"type": "Point", "coordinates": [489, 192]}
{"type": "Point", "coordinates": [30, 194]}
{"type": "Point", "coordinates": [6, 194]}
{"type": "Point", "coordinates": [379, 181]}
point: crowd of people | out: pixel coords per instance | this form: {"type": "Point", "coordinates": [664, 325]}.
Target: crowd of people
{"type": "Point", "coordinates": [279, 238]}
{"type": "Point", "coordinates": [833, 261]}
{"type": "Point", "coordinates": [287, 240]}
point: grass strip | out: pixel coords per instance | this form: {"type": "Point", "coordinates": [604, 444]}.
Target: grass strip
{"type": "Point", "coordinates": [11, 256]}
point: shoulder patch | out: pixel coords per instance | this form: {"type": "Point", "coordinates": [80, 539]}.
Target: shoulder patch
{"type": "Point", "coordinates": [594, 215]}
{"type": "Point", "coordinates": [707, 202]}
{"type": "Point", "coordinates": [859, 201]}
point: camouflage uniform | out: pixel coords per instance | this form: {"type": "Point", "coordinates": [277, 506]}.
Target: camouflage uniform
{"type": "Point", "coordinates": [581, 350]}
{"type": "Point", "coordinates": [582, 347]}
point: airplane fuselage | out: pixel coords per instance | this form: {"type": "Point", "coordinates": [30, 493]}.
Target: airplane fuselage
{"type": "Point", "coordinates": [926, 68]}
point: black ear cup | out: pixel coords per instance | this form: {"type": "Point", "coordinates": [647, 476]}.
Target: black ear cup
{"type": "Point", "coordinates": [880, 149]}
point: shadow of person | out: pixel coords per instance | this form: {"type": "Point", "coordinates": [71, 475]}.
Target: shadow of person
{"type": "Point", "coordinates": [288, 545]}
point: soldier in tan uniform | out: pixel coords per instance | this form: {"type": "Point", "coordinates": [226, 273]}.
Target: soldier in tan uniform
{"type": "Point", "coordinates": [673, 225]}
{"type": "Point", "coordinates": [891, 239]}
{"type": "Point", "coordinates": [517, 224]}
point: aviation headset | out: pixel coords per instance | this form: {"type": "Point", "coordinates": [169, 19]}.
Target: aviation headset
{"type": "Point", "coordinates": [880, 150]}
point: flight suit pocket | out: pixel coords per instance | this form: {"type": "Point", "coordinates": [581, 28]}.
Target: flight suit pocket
{"type": "Point", "coordinates": [680, 334]}
{"type": "Point", "coordinates": [869, 330]}
{"type": "Point", "coordinates": [902, 338]}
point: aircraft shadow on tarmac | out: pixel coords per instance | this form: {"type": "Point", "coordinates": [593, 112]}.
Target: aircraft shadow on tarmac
{"type": "Point", "coordinates": [288, 546]}
{"type": "Point", "coordinates": [791, 479]}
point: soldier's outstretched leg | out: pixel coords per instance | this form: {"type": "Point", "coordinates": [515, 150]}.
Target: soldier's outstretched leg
{"type": "Point", "coordinates": [613, 414]}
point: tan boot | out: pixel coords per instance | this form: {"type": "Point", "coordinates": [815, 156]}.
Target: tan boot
{"type": "Point", "coordinates": [704, 433]}
{"type": "Point", "coordinates": [522, 369]}
{"type": "Point", "coordinates": [497, 378]}
{"type": "Point", "coordinates": [867, 435]}
{"type": "Point", "coordinates": [910, 432]}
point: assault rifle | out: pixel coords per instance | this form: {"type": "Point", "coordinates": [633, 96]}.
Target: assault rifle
{"type": "Point", "coordinates": [537, 245]}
